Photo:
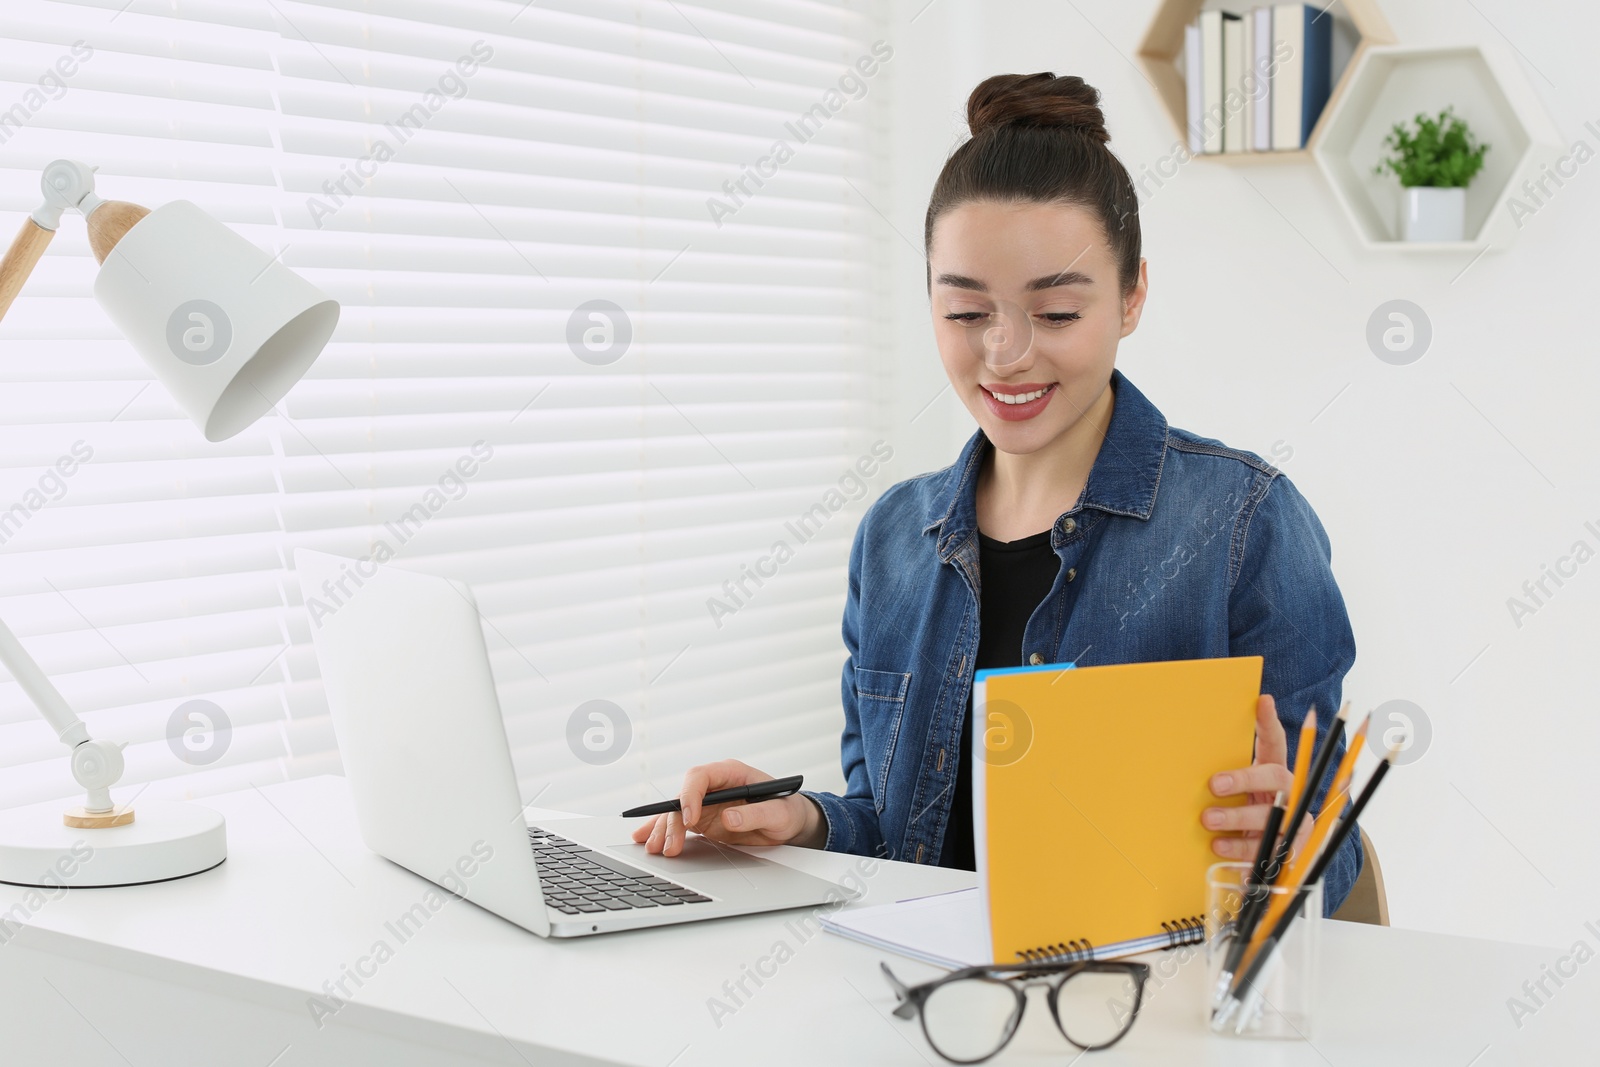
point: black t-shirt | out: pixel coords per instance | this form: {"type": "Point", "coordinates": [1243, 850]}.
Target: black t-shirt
{"type": "Point", "coordinates": [1014, 577]}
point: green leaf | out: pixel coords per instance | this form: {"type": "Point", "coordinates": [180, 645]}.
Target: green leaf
{"type": "Point", "coordinates": [1433, 151]}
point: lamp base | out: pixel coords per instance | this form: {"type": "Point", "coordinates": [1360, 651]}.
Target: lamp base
{"type": "Point", "coordinates": [83, 819]}
{"type": "Point", "coordinates": [168, 840]}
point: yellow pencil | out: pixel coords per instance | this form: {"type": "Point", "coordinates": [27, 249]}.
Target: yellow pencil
{"type": "Point", "coordinates": [1302, 758]}
{"type": "Point", "coordinates": [1347, 766]}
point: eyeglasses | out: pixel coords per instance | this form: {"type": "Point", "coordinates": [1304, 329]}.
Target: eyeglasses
{"type": "Point", "coordinates": [971, 1014]}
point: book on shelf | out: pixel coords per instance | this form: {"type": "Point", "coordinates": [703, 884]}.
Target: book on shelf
{"type": "Point", "coordinates": [1304, 36]}
{"type": "Point", "coordinates": [1249, 81]}
{"type": "Point", "coordinates": [1261, 59]}
{"type": "Point", "coordinates": [1211, 104]}
{"type": "Point", "coordinates": [1234, 103]}
{"type": "Point", "coordinates": [1194, 91]}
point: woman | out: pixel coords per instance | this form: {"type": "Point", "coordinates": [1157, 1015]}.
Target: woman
{"type": "Point", "coordinates": [1076, 525]}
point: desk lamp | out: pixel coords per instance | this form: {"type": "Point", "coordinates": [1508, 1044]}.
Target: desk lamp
{"type": "Point", "coordinates": [228, 330]}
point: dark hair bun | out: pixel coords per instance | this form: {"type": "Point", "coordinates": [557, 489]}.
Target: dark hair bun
{"type": "Point", "coordinates": [1067, 103]}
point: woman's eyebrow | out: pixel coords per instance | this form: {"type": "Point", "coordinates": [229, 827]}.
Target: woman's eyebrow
{"type": "Point", "coordinates": [961, 281]}
{"type": "Point", "coordinates": [1066, 277]}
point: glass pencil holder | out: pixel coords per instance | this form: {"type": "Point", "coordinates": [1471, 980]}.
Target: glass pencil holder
{"type": "Point", "coordinates": [1260, 986]}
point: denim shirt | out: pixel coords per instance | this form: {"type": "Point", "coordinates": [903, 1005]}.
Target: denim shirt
{"type": "Point", "coordinates": [1178, 548]}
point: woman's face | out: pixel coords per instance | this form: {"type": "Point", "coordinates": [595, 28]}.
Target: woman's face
{"type": "Point", "coordinates": [1027, 312]}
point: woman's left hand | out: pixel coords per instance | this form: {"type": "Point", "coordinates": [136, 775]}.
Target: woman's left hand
{"type": "Point", "coordinates": [1238, 829]}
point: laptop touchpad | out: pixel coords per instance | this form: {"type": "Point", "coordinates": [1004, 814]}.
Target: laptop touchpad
{"type": "Point", "coordinates": [699, 856]}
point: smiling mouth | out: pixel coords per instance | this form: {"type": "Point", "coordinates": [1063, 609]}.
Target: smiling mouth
{"type": "Point", "coordinates": [1018, 398]}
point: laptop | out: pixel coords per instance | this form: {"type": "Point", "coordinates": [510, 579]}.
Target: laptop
{"type": "Point", "coordinates": [424, 746]}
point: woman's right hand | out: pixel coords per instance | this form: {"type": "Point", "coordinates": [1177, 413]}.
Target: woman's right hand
{"type": "Point", "coordinates": [790, 820]}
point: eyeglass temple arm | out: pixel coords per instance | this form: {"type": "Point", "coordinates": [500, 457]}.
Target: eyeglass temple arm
{"type": "Point", "coordinates": [907, 1008]}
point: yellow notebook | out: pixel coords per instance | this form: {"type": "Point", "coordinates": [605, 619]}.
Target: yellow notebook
{"type": "Point", "coordinates": [1088, 786]}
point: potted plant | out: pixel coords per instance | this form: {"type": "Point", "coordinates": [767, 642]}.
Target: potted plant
{"type": "Point", "coordinates": [1434, 159]}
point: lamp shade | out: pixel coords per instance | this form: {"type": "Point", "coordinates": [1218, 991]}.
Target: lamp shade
{"type": "Point", "coordinates": [227, 328]}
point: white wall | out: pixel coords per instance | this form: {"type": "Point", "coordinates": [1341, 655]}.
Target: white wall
{"type": "Point", "coordinates": [1444, 484]}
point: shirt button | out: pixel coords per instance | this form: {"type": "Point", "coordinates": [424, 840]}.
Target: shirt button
{"type": "Point", "coordinates": [1069, 525]}
{"type": "Point", "coordinates": [1072, 572]}
{"type": "Point", "coordinates": [1035, 659]}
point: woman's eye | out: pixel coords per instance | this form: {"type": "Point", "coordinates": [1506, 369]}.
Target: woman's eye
{"type": "Point", "coordinates": [1061, 318]}
{"type": "Point", "coordinates": [966, 316]}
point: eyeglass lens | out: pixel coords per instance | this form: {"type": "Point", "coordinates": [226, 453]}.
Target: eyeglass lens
{"type": "Point", "coordinates": [971, 1019]}
{"type": "Point", "coordinates": [1093, 1007]}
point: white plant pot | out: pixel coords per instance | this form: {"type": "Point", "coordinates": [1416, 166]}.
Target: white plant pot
{"type": "Point", "coordinates": [1428, 213]}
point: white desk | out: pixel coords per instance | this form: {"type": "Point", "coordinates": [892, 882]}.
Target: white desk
{"type": "Point", "coordinates": [218, 969]}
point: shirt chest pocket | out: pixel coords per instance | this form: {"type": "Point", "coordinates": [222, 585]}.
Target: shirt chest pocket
{"type": "Point", "coordinates": [880, 708]}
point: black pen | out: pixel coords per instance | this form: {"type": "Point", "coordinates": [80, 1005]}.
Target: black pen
{"type": "Point", "coordinates": [1277, 858]}
{"type": "Point", "coordinates": [1257, 888]}
{"type": "Point", "coordinates": [1345, 827]}
{"type": "Point", "coordinates": [777, 787]}
{"type": "Point", "coordinates": [1254, 906]}
{"type": "Point", "coordinates": [1291, 821]}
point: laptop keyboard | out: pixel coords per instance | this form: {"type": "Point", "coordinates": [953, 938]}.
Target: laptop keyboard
{"type": "Point", "coordinates": [576, 879]}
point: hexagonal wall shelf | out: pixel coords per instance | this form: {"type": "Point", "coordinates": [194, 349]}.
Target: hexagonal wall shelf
{"type": "Point", "coordinates": [1163, 43]}
{"type": "Point", "coordinates": [1392, 84]}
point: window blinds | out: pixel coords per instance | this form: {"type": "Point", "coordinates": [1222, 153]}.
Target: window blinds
{"type": "Point", "coordinates": [613, 257]}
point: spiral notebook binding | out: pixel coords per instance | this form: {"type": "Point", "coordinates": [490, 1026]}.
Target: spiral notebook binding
{"type": "Point", "coordinates": [1190, 930]}
{"type": "Point", "coordinates": [1187, 931]}
{"type": "Point", "coordinates": [1061, 952]}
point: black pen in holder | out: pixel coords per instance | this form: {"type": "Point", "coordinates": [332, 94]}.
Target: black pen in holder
{"type": "Point", "coordinates": [1278, 1002]}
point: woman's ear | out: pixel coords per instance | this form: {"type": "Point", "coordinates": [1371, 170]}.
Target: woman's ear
{"type": "Point", "coordinates": [1133, 302]}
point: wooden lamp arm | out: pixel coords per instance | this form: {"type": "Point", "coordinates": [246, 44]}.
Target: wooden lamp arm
{"type": "Point", "coordinates": [21, 258]}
